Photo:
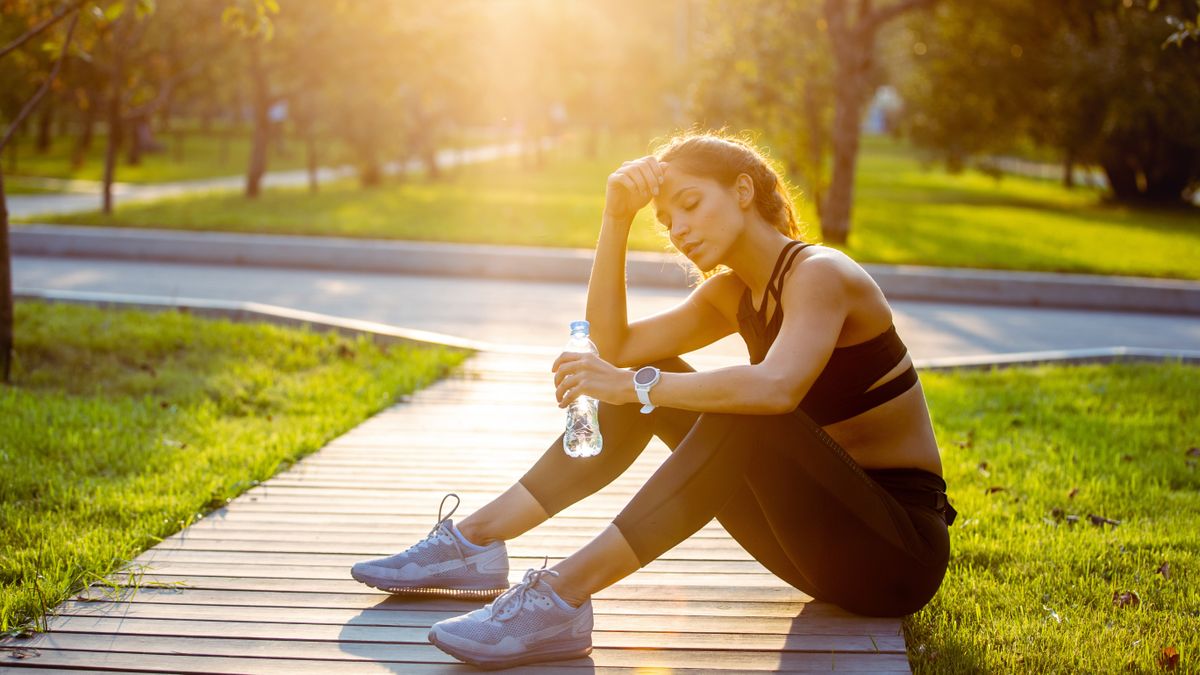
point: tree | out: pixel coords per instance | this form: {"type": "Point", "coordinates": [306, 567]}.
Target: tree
{"type": "Point", "coordinates": [852, 35]}
{"type": "Point", "coordinates": [1098, 82]}
{"type": "Point", "coordinates": [63, 11]}
{"type": "Point", "coordinates": [765, 65]}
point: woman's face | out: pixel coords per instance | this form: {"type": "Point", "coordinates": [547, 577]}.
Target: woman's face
{"type": "Point", "coordinates": [701, 215]}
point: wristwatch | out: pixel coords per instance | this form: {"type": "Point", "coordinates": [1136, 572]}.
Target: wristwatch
{"type": "Point", "coordinates": [645, 378]}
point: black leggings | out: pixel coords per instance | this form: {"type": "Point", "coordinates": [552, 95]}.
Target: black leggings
{"type": "Point", "coordinates": [782, 487]}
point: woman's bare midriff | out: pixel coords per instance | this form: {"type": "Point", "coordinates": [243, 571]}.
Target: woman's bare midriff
{"type": "Point", "coordinates": [897, 434]}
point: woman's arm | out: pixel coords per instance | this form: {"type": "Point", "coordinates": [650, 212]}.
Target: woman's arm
{"type": "Point", "coordinates": [817, 304]}
{"type": "Point", "coordinates": [606, 302]}
{"type": "Point", "coordinates": [628, 189]}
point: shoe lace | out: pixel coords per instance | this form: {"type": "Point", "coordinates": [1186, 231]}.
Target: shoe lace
{"type": "Point", "coordinates": [442, 528]}
{"type": "Point", "coordinates": [515, 596]}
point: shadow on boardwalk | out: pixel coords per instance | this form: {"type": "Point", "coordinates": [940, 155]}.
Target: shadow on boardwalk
{"type": "Point", "coordinates": [263, 585]}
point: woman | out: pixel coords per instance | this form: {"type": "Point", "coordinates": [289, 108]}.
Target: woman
{"type": "Point", "coordinates": [818, 457]}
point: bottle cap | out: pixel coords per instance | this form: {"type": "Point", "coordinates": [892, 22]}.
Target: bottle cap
{"type": "Point", "coordinates": [580, 327]}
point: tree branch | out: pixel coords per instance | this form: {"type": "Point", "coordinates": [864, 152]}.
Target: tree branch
{"type": "Point", "coordinates": [164, 92]}
{"type": "Point", "coordinates": [32, 103]}
{"type": "Point", "coordinates": [37, 30]}
{"type": "Point", "coordinates": [886, 14]}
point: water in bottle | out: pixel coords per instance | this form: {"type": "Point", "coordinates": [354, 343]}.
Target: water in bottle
{"type": "Point", "coordinates": [582, 436]}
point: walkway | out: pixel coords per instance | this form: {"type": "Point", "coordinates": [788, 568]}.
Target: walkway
{"type": "Point", "coordinates": [537, 313]}
{"type": "Point", "coordinates": [85, 195]}
{"type": "Point", "coordinates": [263, 584]}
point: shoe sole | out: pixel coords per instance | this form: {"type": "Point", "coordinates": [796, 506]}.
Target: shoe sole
{"type": "Point", "coordinates": [429, 591]}
{"type": "Point", "coordinates": [536, 656]}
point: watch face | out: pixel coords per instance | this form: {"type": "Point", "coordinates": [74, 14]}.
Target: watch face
{"type": "Point", "coordinates": [644, 376]}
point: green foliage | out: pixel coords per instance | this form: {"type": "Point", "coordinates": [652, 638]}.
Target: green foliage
{"type": "Point", "coordinates": [766, 65]}
{"type": "Point", "coordinates": [121, 427]}
{"type": "Point", "coordinates": [1028, 455]}
{"type": "Point", "coordinates": [1088, 79]}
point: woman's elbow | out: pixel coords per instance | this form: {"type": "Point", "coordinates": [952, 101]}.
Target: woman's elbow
{"type": "Point", "coordinates": [782, 398]}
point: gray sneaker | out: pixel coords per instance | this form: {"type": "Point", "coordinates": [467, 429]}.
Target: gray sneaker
{"type": "Point", "coordinates": [444, 564]}
{"type": "Point", "coordinates": [529, 623]}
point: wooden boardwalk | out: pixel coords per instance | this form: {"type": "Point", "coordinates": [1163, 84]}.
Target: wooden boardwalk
{"type": "Point", "coordinates": [263, 585]}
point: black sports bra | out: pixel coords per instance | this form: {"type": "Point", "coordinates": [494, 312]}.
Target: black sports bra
{"type": "Point", "coordinates": [840, 391]}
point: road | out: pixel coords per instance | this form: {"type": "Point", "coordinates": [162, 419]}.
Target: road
{"type": "Point", "coordinates": [532, 313]}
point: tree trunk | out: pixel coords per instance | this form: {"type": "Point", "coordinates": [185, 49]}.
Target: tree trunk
{"type": "Point", "coordinates": [115, 123]}
{"type": "Point", "coordinates": [135, 142]}
{"type": "Point", "coordinates": [261, 103]}
{"type": "Point", "coordinates": [847, 118]}
{"type": "Point", "coordinates": [12, 150]}
{"type": "Point", "coordinates": [813, 168]}
{"type": "Point", "coordinates": [310, 151]}
{"type": "Point", "coordinates": [84, 144]}
{"type": "Point", "coordinates": [115, 129]}
{"type": "Point", "coordinates": [6, 298]}
{"type": "Point", "coordinates": [1068, 176]}
{"type": "Point", "coordinates": [45, 129]}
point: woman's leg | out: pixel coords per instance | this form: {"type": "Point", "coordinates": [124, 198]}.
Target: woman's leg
{"type": "Point", "coordinates": [556, 481]}
{"type": "Point", "coordinates": [844, 538]}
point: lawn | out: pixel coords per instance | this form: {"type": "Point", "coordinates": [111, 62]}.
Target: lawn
{"type": "Point", "coordinates": [906, 213]}
{"type": "Point", "coordinates": [122, 427]}
{"type": "Point", "coordinates": [1030, 456]}
{"type": "Point", "coordinates": [188, 154]}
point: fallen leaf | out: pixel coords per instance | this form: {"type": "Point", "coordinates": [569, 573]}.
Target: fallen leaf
{"type": "Point", "coordinates": [1165, 570]}
{"type": "Point", "coordinates": [1169, 658]}
{"type": "Point", "coordinates": [1101, 520]}
{"type": "Point", "coordinates": [1126, 458]}
{"type": "Point", "coordinates": [1074, 491]}
{"type": "Point", "coordinates": [1126, 599]}
{"type": "Point", "coordinates": [994, 489]}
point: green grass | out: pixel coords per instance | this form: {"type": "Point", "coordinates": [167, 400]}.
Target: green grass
{"type": "Point", "coordinates": [122, 427]}
{"type": "Point", "coordinates": [1028, 592]}
{"type": "Point", "coordinates": [187, 155]}
{"type": "Point", "coordinates": [909, 215]}
{"type": "Point", "coordinates": [905, 213]}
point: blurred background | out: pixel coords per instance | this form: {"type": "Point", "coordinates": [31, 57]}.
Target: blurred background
{"type": "Point", "coordinates": [990, 133]}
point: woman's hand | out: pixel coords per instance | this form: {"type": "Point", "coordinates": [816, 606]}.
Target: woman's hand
{"type": "Point", "coordinates": [633, 185]}
{"type": "Point", "coordinates": [576, 374]}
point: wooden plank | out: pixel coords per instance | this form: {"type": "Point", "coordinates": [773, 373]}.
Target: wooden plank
{"type": "Point", "coordinates": [637, 585]}
{"type": "Point", "coordinates": [881, 664]}
{"type": "Point", "coordinates": [342, 562]}
{"type": "Point", "coordinates": [608, 633]}
{"type": "Point", "coordinates": [373, 600]}
{"type": "Point", "coordinates": [336, 652]}
{"type": "Point", "coordinates": [813, 618]}
{"type": "Point", "coordinates": [688, 550]}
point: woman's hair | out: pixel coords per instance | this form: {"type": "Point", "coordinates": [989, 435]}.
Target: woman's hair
{"type": "Point", "coordinates": [722, 157]}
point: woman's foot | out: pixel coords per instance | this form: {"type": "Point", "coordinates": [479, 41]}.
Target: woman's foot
{"type": "Point", "coordinates": [529, 623]}
{"type": "Point", "coordinates": [444, 563]}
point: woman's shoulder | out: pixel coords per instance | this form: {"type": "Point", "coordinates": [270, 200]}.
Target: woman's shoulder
{"type": "Point", "coordinates": [723, 290]}
{"type": "Point", "coordinates": [829, 265]}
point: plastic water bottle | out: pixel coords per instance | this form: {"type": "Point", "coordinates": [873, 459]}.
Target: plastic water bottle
{"type": "Point", "coordinates": [582, 436]}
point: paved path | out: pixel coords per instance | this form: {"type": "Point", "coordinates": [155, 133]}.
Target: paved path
{"type": "Point", "coordinates": [85, 195]}
{"type": "Point", "coordinates": [532, 313]}
{"type": "Point", "coordinates": [263, 584]}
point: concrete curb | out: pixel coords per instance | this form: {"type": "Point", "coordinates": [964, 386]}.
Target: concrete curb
{"type": "Point", "coordinates": [383, 333]}
{"type": "Point", "coordinates": [899, 282]}
{"type": "Point", "coordinates": [273, 314]}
